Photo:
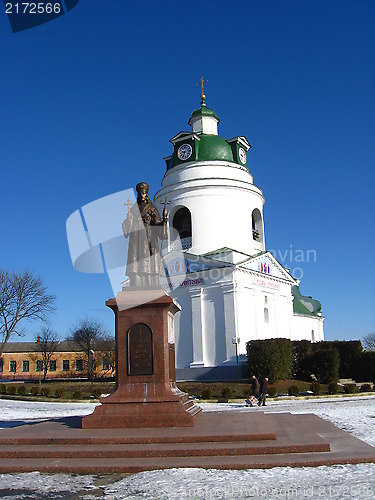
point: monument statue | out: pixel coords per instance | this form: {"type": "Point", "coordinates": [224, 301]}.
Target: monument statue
{"type": "Point", "coordinates": [145, 229]}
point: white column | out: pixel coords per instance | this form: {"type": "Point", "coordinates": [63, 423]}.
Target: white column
{"type": "Point", "coordinates": [230, 315]}
{"type": "Point", "coordinates": [197, 326]}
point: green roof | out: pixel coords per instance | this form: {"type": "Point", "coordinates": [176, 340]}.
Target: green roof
{"type": "Point", "coordinates": [299, 308]}
{"type": "Point", "coordinates": [303, 304]}
{"type": "Point", "coordinates": [213, 147]}
{"type": "Point", "coordinates": [203, 111]}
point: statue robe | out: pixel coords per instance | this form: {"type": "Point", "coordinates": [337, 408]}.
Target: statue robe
{"type": "Point", "coordinates": [144, 232]}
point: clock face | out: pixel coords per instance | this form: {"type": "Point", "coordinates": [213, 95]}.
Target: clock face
{"type": "Point", "coordinates": [242, 155]}
{"type": "Point", "coordinates": [184, 152]}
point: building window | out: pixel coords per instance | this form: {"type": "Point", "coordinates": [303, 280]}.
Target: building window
{"type": "Point", "coordinates": [182, 223]}
{"type": "Point", "coordinates": [257, 226]}
{"type": "Point", "coordinates": [105, 364]}
{"type": "Point", "coordinates": [52, 365]}
{"type": "Point", "coordinates": [39, 366]}
{"type": "Point", "coordinates": [12, 366]}
{"type": "Point", "coordinates": [65, 365]}
{"type": "Point", "coordinates": [266, 315]}
{"type": "Point", "coordinates": [25, 366]}
{"type": "Point", "coordinates": [265, 299]}
{"type": "Point", "coordinates": [1, 365]}
{"type": "Point", "coordinates": [312, 336]}
{"type": "Point", "coordinates": [79, 365]}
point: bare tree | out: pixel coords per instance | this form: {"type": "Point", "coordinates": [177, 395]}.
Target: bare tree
{"type": "Point", "coordinates": [369, 342]}
{"type": "Point", "coordinates": [22, 297]}
{"type": "Point", "coordinates": [47, 343]}
{"type": "Point", "coordinates": [105, 349]}
{"type": "Point", "coordinates": [86, 334]}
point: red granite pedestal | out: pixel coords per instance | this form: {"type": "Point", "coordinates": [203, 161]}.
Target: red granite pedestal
{"type": "Point", "coordinates": [146, 394]}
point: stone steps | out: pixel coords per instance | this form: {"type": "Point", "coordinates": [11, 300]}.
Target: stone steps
{"type": "Point", "coordinates": [228, 440]}
{"type": "Point", "coordinates": [157, 450]}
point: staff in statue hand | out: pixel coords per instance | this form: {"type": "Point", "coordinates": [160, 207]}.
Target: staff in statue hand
{"type": "Point", "coordinates": [165, 218]}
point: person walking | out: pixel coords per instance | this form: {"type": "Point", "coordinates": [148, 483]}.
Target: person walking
{"type": "Point", "coordinates": [254, 391]}
{"type": "Point", "coordinates": [263, 391]}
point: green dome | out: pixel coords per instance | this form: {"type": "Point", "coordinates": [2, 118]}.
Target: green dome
{"type": "Point", "coordinates": [203, 111]}
{"type": "Point", "coordinates": [213, 147]}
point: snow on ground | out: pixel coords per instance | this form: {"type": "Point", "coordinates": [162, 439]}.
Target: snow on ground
{"type": "Point", "coordinates": [355, 415]}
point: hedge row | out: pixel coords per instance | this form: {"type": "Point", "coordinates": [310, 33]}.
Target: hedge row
{"type": "Point", "coordinates": [328, 361]}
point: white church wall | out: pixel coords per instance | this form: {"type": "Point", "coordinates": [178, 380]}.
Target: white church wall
{"type": "Point", "coordinates": [307, 328]}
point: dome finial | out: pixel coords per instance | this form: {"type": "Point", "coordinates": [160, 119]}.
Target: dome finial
{"type": "Point", "coordinates": [203, 97]}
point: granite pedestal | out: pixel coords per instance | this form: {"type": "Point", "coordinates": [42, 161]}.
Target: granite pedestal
{"type": "Point", "coordinates": [146, 394]}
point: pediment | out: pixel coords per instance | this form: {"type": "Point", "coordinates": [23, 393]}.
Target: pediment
{"type": "Point", "coordinates": [176, 263]}
{"type": "Point", "coordinates": [267, 264]}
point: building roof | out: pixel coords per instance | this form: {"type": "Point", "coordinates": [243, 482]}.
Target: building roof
{"type": "Point", "coordinates": [64, 346]}
{"type": "Point", "coordinates": [303, 304]}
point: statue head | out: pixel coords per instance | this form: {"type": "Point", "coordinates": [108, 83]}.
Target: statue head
{"type": "Point", "coordinates": [142, 190]}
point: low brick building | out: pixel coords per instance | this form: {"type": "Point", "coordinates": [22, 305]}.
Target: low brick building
{"type": "Point", "coordinates": [24, 361]}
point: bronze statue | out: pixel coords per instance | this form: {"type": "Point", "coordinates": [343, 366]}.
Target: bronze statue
{"type": "Point", "coordinates": [145, 229]}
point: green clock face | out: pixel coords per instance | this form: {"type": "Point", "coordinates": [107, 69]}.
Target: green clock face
{"type": "Point", "coordinates": [242, 156]}
{"type": "Point", "coordinates": [184, 152]}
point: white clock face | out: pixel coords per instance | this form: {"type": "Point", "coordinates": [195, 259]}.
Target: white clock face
{"type": "Point", "coordinates": [184, 152]}
{"type": "Point", "coordinates": [242, 155]}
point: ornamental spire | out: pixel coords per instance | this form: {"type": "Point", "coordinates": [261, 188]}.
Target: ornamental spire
{"type": "Point", "coordinates": [203, 97]}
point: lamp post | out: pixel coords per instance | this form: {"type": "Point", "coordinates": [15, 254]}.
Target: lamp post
{"type": "Point", "coordinates": [236, 341]}
{"type": "Point", "coordinates": [38, 363]}
{"type": "Point", "coordinates": [91, 365]}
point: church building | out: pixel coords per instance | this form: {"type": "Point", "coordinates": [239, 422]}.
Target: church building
{"type": "Point", "coordinates": [230, 288]}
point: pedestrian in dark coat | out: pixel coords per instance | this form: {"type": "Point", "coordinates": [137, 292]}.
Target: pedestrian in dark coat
{"type": "Point", "coordinates": [255, 392]}
{"type": "Point", "coordinates": [255, 386]}
{"type": "Point", "coordinates": [263, 391]}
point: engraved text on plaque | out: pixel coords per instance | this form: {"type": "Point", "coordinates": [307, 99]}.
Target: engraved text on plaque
{"type": "Point", "coordinates": [140, 360]}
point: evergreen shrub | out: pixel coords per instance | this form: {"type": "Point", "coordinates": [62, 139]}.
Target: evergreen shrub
{"type": "Point", "coordinates": [45, 391]}
{"type": "Point", "coordinates": [365, 368]}
{"type": "Point", "coordinates": [272, 358]}
{"type": "Point", "coordinates": [22, 390]}
{"type": "Point", "coordinates": [293, 390]}
{"type": "Point", "coordinates": [302, 352]}
{"type": "Point", "coordinates": [96, 392]}
{"type": "Point", "coordinates": [271, 391]}
{"type": "Point", "coordinates": [3, 389]}
{"type": "Point", "coordinates": [315, 388]}
{"type": "Point", "coordinates": [11, 390]}
{"type": "Point", "coordinates": [350, 388]}
{"type": "Point", "coordinates": [34, 390]}
{"type": "Point", "coordinates": [59, 393]}
{"type": "Point", "coordinates": [325, 365]}
{"type": "Point", "coordinates": [226, 392]}
{"type": "Point", "coordinates": [333, 388]}
{"type": "Point", "coordinates": [365, 388]}
{"type": "Point", "coordinates": [207, 393]}
{"type": "Point", "coordinates": [77, 394]}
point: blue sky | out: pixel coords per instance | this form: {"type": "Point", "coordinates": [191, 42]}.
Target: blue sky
{"type": "Point", "coordinates": [91, 99]}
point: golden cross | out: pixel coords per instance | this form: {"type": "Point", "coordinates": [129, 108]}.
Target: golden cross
{"type": "Point", "coordinates": [165, 202]}
{"type": "Point", "coordinates": [128, 204]}
{"type": "Point", "coordinates": [201, 83]}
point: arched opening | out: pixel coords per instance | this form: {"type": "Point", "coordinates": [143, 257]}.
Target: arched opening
{"type": "Point", "coordinates": [312, 336]}
{"type": "Point", "coordinates": [257, 226]}
{"type": "Point", "coordinates": [266, 315]}
{"type": "Point", "coordinates": [182, 223]}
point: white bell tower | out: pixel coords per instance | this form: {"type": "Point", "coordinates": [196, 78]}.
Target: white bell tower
{"type": "Point", "coordinates": [214, 203]}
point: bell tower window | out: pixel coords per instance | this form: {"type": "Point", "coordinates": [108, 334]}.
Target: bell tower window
{"type": "Point", "coordinates": [182, 223]}
{"type": "Point", "coordinates": [257, 226]}
{"type": "Point", "coordinates": [266, 315]}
